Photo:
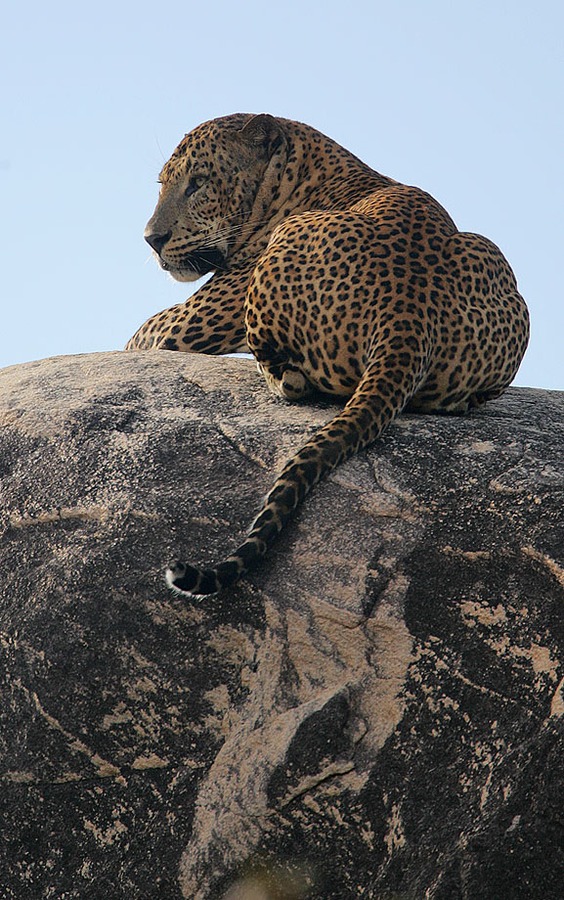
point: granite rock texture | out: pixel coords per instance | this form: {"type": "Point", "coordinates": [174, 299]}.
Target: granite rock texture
{"type": "Point", "coordinates": [376, 712]}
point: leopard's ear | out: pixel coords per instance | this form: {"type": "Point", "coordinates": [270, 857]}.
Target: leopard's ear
{"type": "Point", "coordinates": [263, 131]}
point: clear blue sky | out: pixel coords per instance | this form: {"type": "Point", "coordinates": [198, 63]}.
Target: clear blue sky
{"type": "Point", "coordinates": [465, 99]}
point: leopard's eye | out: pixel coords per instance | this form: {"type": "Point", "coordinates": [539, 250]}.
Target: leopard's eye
{"type": "Point", "coordinates": [195, 183]}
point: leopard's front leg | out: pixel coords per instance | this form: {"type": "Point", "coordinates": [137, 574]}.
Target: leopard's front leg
{"type": "Point", "coordinates": [211, 321]}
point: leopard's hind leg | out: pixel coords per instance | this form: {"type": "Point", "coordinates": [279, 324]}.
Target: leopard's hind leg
{"type": "Point", "coordinates": [284, 378]}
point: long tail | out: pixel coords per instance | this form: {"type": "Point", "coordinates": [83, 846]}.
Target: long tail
{"type": "Point", "coordinates": [381, 395]}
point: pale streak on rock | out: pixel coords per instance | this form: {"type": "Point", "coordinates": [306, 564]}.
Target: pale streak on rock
{"type": "Point", "coordinates": [49, 516]}
{"type": "Point", "coordinates": [328, 640]}
{"type": "Point", "coordinates": [555, 569]}
{"type": "Point", "coordinates": [103, 768]}
{"type": "Point", "coordinates": [557, 705]}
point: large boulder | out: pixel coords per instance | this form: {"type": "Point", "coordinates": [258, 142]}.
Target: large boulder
{"type": "Point", "coordinates": [377, 711]}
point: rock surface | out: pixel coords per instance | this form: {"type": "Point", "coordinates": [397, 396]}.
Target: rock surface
{"type": "Point", "coordinates": [376, 712]}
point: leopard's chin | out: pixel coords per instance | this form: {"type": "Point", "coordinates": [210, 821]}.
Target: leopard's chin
{"type": "Point", "coordinates": [195, 265]}
{"type": "Point", "coordinates": [180, 274]}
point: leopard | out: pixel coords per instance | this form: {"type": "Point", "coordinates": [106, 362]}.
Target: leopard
{"type": "Point", "coordinates": [340, 281]}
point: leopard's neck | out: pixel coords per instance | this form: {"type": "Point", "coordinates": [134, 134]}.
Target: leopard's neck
{"type": "Point", "coordinates": [314, 173]}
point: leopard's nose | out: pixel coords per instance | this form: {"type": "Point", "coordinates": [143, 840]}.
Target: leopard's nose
{"type": "Point", "coordinates": [157, 241]}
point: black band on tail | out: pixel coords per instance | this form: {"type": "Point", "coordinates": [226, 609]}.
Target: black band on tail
{"type": "Point", "coordinates": [186, 579]}
{"type": "Point", "coordinates": [195, 582]}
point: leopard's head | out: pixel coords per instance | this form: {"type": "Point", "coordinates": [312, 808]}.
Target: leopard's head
{"type": "Point", "coordinates": [218, 191]}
